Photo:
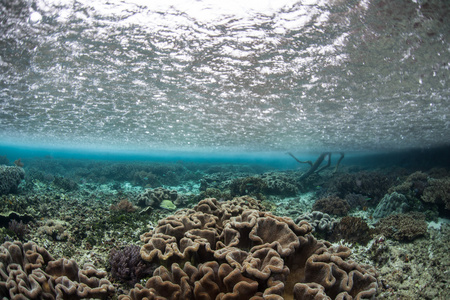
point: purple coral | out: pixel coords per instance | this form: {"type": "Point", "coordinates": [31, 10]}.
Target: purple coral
{"type": "Point", "coordinates": [127, 266]}
{"type": "Point", "coordinates": [19, 228]}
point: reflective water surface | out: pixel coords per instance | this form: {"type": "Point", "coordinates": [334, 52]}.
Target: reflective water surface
{"type": "Point", "coordinates": [240, 75]}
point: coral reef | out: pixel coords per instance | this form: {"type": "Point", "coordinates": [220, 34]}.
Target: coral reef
{"type": "Point", "coordinates": [154, 197]}
{"type": "Point", "coordinates": [67, 184]}
{"type": "Point", "coordinates": [332, 205]}
{"type": "Point", "coordinates": [28, 271]}
{"type": "Point", "coordinates": [352, 230]}
{"type": "Point", "coordinates": [55, 230]}
{"type": "Point", "coordinates": [403, 227]}
{"type": "Point", "coordinates": [438, 191]}
{"type": "Point", "coordinates": [412, 186]}
{"type": "Point", "coordinates": [357, 201]}
{"type": "Point", "coordinates": [222, 250]}
{"type": "Point", "coordinates": [413, 270]}
{"type": "Point", "coordinates": [393, 203]}
{"type": "Point", "coordinates": [10, 178]}
{"type": "Point", "coordinates": [373, 185]}
{"type": "Point", "coordinates": [127, 266]}
{"type": "Point", "coordinates": [280, 184]}
{"type": "Point", "coordinates": [124, 205]}
{"type": "Point", "coordinates": [320, 222]}
{"type": "Point", "coordinates": [253, 186]}
{"type": "Point", "coordinates": [18, 228]}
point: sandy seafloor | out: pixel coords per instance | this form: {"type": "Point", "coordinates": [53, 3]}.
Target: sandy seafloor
{"type": "Point", "coordinates": [73, 212]}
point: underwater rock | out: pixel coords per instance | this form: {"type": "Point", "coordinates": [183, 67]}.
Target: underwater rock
{"type": "Point", "coordinates": [10, 178]}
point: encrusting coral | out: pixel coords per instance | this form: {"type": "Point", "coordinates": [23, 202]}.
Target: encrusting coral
{"type": "Point", "coordinates": [219, 251]}
{"type": "Point", "coordinates": [28, 271]}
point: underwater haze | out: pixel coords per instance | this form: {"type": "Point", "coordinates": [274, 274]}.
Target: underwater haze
{"type": "Point", "coordinates": [225, 76]}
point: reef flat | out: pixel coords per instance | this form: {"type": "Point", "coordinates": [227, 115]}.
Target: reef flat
{"type": "Point", "coordinates": [135, 225]}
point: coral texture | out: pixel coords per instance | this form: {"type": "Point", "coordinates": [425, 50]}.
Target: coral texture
{"type": "Point", "coordinates": [10, 177]}
{"type": "Point", "coordinates": [321, 222]}
{"type": "Point", "coordinates": [28, 271]}
{"type": "Point", "coordinates": [124, 206]}
{"type": "Point", "coordinates": [403, 227]}
{"type": "Point", "coordinates": [394, 203]}
{"type": "Point", "coordinates": [154, 197]}
{"type": "Point", "coordinates": [127, 265]}
{"type": "Point", "coordinates": [280, 184]}
{"type": "Point", "coordinates": [251, 185]}
{"type": "Point", "coordinates": [438, 191]}
{"type": "Point", "coordinates": [352, 230]}
{"type": "Point", "coordinates": [223, 250]}
{"type": "Point", "coordinates": [332, 205]}
{"type": "Point", "coordinates": [370, 184]}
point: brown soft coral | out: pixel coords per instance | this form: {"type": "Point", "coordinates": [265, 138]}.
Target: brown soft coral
{"type": "Point", "coordinates": [254, 255]}
{"type": "Point", "coordinates": [22, 274]}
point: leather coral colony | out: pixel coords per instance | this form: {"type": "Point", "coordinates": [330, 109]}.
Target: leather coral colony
{"type": "Point", "coordinates": [28, 271]}
{"type": "Point", "coordinates": [232, 250]}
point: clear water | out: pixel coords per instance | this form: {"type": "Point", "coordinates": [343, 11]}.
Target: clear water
{"type": "Point", "coordinates": [225, 76]}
